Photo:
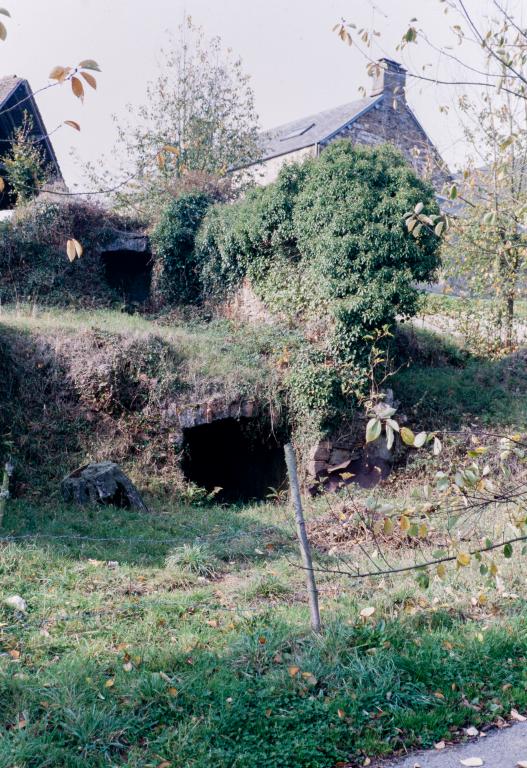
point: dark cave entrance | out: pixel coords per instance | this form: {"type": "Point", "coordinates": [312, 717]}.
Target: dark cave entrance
{"type": "Point", "coordinates": [129, 273]}
{"type": "Point", "coordinates": [237, 456]}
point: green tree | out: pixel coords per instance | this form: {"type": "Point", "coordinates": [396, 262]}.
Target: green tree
{"type": "Point", "coordinates": [25, 165]}
{"type": "Point", "coordinates": [487, 243]}
{"type": "Point", "coordinates": [198, 120]}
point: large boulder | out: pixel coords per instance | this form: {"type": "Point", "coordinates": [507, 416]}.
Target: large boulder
{"type": "Point", "coordinates": [102, 483]}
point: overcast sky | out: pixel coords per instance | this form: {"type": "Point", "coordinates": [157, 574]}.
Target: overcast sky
{"type": "Point", "coordinates": [297, 64]}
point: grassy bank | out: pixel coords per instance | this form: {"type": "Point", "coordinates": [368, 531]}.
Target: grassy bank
{"type": "Point", "coordinates": [207, 662]}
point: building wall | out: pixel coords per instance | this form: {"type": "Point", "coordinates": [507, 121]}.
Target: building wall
{"type": "Point", "coordinates": [267, 171]}
{"type": "Point", "coordinates": [397, 125]}
{"type": "Point", "coordinates": [384, 123]}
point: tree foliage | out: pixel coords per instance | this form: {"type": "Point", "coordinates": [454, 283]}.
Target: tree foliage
{"type": "Point", "coordinates": [327, 247]}
{"type": "Point", "coordinates": [177, 277]}
{"type": "Point", "coordinates": [24, 164]}
{"type": "Point", "coordinates": [197, 119]}
{"type": "Point", "coordinates": [488, 240]}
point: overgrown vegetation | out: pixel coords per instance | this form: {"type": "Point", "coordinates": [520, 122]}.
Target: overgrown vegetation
{"type": "Point", "coordinates": [24, 164]}
{"type": "Point", "coordinates": [208, 663]}
{"type": "Point", "coordinates": [33, 263]}
{"type": "Point", "coordinates": [327, 249]}
{"type": "Point", "coordinates": [101, 385]}
{"type": "Point", "coordinates": [177, 278]}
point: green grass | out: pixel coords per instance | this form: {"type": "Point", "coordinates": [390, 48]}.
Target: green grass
{"type": "Point", "coordinates": [481, 392]}
{"type": "Point", "coordinates": [139, 663]}
{"type": "Point", "coordinates": [214, 356]}
{"type": "Point", "coordinates": [440, 385]}
{"type": "Point", "coordinates": [447, 304]}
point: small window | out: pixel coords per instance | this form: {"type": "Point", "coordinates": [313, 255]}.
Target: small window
{"type": "Point", "coordinates": [297, 132]}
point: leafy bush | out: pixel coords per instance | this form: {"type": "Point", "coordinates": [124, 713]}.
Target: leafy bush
{"type": "Point", "coordinates": [326, 246]}
{"type": "Point", "coordinates": [24, 164]}
{"type": "Point", "coordinates": [33, 261]}
{"type": "Point", "coordinates": [177, 277]}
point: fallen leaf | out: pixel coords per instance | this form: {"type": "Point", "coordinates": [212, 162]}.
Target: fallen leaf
{"type": "Point", "coordinates": [440, 745]}
{"type": "Point", "coordinates": [341, 714]}
{"type": "Point", "coordinates": [515, 715]}
{"type": "Point", "coordinates": [173, 692]}
{"type": "Point", "coordinates": [367, 761]}
{"type": "Point", "coordinates": [367, 612]}
{"type": "Point", "coordinates": [472, 762]}
{"type": "Point", "coordinates": [521, 764]}
{"type": "Point", "coordinates": [14, 654]}
{"type": "Point", "coordinates": [293, 671]}
{"type": "Point", "coordinates": [109, 683]}
{"type": "Point", "coordinates": [128, 666]}
{"type": "Point", "coordinates": [472, 731]}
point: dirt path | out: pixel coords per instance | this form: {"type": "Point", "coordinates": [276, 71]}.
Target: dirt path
{"type": "Point", "coordinates": [500, 749]}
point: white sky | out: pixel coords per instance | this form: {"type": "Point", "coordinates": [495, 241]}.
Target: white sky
{"type": "Point", "coordinates": [297, 64]}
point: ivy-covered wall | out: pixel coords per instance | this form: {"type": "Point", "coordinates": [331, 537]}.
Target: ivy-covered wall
{"type": "Point", "coordinates": [327, 249]}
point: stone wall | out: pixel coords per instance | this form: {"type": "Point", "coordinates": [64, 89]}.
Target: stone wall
{"type": "Point", "coordinates": [397, 125]}
{"type": "Point", "coordinates": [247, 307]}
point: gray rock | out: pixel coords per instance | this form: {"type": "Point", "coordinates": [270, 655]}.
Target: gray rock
{"type": "Point", "coordinates": [127, 241]}
{"type": "Point", "coordinates": [320, 451]}
{"type": "Point", "coordinates": [102, 483]}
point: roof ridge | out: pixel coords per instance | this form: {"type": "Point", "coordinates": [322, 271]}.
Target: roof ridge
{"type": "Point", "coordinates": [312, 129]}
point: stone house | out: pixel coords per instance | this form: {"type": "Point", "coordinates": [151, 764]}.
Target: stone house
{"type": "Point", "coordinates": [383, 116]}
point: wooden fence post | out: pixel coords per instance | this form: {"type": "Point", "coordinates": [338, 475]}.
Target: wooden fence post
{"type": "Point", "coordinates": [305, 549]}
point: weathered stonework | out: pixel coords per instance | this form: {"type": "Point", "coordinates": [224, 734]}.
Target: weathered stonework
{"type": "Point", "coordinates": [178, 418]}
{"type": "Point", "coordinates": [383, 117]}
{"type": "Point", "coordinates": [246, 306]}
{"type": "Point", "coordinates": [391, 121]}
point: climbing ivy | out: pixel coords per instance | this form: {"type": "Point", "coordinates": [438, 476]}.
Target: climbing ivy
{"type": "Point", "coordinates": [176, 276]}
{"type": "Point", "coordinates": [326, 247]}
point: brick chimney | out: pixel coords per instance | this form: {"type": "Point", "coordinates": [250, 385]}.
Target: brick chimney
{"type": "Point", "coordinates": [388, 77]}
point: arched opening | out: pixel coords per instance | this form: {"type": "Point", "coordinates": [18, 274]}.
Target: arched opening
{"type": "Point", "coordinates": [129, 273]}
{"type": "Point", "coordinates": [234, 455]}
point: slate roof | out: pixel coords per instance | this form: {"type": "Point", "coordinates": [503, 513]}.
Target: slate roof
{"type": "Point", "coordinates": [16, 98]}
{"type": "Point", "coordinates": [313, 129]}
